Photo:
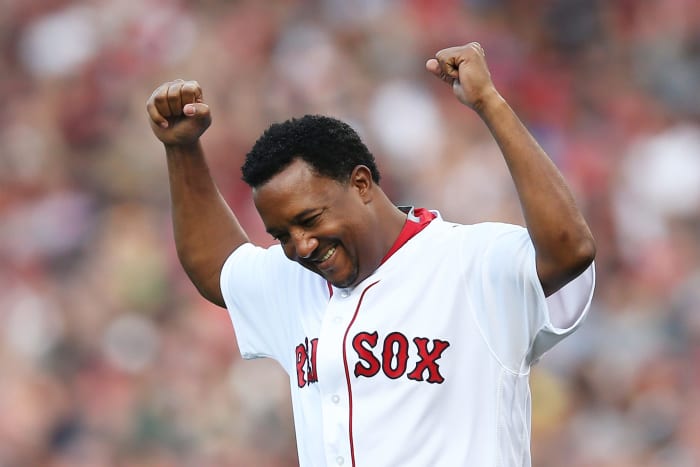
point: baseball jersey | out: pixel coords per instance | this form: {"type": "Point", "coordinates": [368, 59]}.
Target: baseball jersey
{"type": "Point", "coordinates": [423, 363]}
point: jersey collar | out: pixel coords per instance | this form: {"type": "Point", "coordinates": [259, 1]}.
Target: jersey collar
{"type": "Point", "coordinates": [416, 220]}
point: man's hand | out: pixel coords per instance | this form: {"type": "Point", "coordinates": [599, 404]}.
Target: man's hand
{"type": "Point", "coordinates": [465, 69]}
{"type": "Point", "coordinates": [177, 113]}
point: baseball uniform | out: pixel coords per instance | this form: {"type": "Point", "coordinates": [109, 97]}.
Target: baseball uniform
{"type": "Point", "coordinates": [423, 363]}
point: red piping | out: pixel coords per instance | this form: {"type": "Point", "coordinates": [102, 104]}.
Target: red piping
{"type": "Point", "coordinates": [347, 373]}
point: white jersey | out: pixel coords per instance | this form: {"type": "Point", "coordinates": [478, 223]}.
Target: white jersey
{"type": "Point", "coordinates": [425, 362]}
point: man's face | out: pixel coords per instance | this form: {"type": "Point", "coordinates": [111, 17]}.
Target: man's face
{"type": "Point", "coordinates": [320, 222]}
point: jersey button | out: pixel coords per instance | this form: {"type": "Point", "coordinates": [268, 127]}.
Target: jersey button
{"type": "Point", "coordinates": [337, 319]}
{"type": "Point", "coordinates": [335, 398]}
{"type": "Point", "coordinates": [339, 460]}
{"type": "Point", "coordinates": [344, 293]}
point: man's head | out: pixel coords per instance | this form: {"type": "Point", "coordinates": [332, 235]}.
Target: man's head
{"type": "Point", "coordinates": [328, 145]}
{"type": "Point", "coordinates": [315, 186]}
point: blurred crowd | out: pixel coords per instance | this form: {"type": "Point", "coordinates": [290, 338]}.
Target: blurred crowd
{"type": "Point", "coordinates": [109, 357]}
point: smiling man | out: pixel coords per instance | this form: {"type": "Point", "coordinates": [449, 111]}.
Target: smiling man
{"type": "Point", "coordinates": [319, 196]}
{"type": "Point", "coordinates": [407, 339]}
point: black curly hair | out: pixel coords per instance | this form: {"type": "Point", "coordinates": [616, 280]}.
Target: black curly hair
{"type": "Point", "coordinates": [331, 147]}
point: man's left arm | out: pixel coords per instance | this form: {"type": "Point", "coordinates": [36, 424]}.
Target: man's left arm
{"type": "Point", "coordinates": [563, 242]}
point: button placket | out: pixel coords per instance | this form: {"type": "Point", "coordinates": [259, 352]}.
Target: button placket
{"type": "Point", "coordinates": [335, 411]}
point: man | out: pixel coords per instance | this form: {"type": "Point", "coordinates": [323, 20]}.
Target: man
{"type": "Point", "coordinates": [407, 339]}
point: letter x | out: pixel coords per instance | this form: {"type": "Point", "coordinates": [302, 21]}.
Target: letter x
{"type": "Point", "coordinates": [428, 360]}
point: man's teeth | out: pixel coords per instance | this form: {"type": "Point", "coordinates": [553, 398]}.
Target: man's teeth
{"type": "Point", "coordinates": [328, 254]}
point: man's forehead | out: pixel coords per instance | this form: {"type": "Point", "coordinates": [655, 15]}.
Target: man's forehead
{"type": "Point", "coordinates": [296, 175]}
{"type": "Point", "coordinates": [294, 193]}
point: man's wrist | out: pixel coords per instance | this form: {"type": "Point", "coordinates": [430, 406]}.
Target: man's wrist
{"type": "Point", "coordinates": [489, 102]}
{"type": "Point", "coordinates": [186, 149]}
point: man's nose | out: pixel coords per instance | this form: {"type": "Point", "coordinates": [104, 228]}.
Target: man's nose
{"type": "Point", "coordinates": [304, 244]}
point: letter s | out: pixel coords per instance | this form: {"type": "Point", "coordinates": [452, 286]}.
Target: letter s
{"type": "Point", "coordinates": [365, 354]}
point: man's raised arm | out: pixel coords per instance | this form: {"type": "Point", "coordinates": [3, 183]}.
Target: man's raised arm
{"type": "Point", "coordinates": [563, 243]}
{"type": "Point", "coordinates": [206, 230]}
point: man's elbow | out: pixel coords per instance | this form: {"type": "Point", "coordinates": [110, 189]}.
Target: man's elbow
{"type": "Point", "coordinates": [585, 254]}
{"type": "Point", "coordinates": [580, 257]}
{"type": "Point", "coordinates": [556, 274]}
{"type": "Point", "coordinates": [204, 273]}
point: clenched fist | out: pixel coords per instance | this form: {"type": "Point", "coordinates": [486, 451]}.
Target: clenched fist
{"type": "Point", "coordinates": [465, 69]}
{"type": "Point", "coordinates": [177, 113]}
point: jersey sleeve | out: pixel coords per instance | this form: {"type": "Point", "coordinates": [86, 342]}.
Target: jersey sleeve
{"type": "Point", "coordinates": [567, 309]}
{"type": "Point", "coordinates": [518, 322]}
{"type": "Point", "coordinates": [253, 287]}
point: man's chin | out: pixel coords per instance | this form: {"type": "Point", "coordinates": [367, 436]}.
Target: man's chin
{"type": "Point", "coordinates": [345, 281]}
{"type": "Point", "coordinates": [341, 281]}
{"type": "Point", "coordinates": [342, 284]}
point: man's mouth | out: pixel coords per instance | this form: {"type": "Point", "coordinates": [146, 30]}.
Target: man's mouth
{"type": "Point", "coordinates": [325, 257]}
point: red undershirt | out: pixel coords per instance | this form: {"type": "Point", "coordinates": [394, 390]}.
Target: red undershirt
{"type": "Point", "coordinates": [417, 219]}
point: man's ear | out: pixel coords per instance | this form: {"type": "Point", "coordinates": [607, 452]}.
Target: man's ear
{"type": "Point", "coordinates": [361, 180]}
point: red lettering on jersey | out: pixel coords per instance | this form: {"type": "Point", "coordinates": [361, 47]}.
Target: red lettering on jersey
{"type": "Point", "coordinates": [306, 362]}
{"type": "Point", "coordinates": [395, 356]}
{"type": "Point", "coordinates": [301, 365]}
{"type": "Point", "coordinates": [395, 347]}
{"type": "Point", "coordinates": [428, 360]}
{"type": "Point", "coordinates": [313, 378]}
{"type": "Point", "coordinates": [365, 354]}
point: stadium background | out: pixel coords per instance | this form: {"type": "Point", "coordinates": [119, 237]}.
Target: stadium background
{"type": "Point", "coordinates": [108, 357]}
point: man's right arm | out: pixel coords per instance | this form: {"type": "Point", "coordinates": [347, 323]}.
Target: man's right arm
{"type": "Point", "coordinates": [206, 230]}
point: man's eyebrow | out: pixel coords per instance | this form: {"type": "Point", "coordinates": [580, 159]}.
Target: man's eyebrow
{"type": "Point", "coordinates": [306, 213]}
{"type": "Point", "coordinates": [296, 219]}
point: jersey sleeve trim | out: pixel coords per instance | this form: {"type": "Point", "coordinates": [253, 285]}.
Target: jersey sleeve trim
{"type": "Point", "coordinates": [566, 310]}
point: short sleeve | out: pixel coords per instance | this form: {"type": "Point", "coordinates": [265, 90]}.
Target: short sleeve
{"type": "Point", "coordinates": [516, 319]}
{"type": "Point", "coordinates": [567, 309]}
{"type": "Point", "coordinates": [252, 287]}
